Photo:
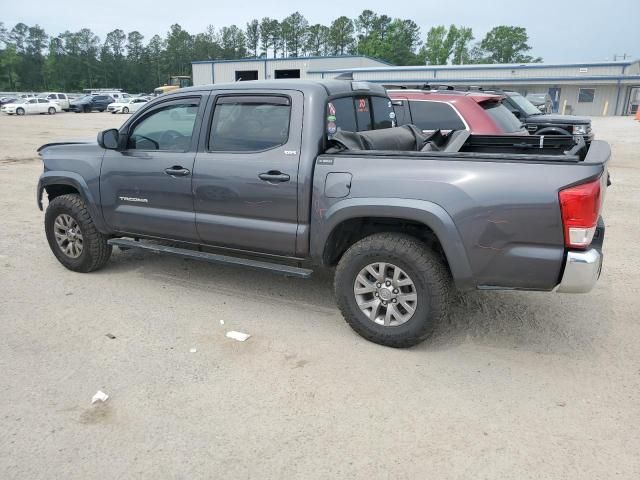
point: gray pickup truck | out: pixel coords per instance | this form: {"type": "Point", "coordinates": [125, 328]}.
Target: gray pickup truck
{"type": "Point", "coordinates": [291, 175]}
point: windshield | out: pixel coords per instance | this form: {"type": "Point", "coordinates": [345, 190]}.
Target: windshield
{"type": "Point", "coordinates": [537, 97]}
{"type": "Point", "coordinates": [500, 114]}
{"type": "Point", "coordinates": [525, 105]}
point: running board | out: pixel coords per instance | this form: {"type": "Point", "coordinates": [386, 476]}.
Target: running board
{"type": "Point", "coordinates": [287, 270]}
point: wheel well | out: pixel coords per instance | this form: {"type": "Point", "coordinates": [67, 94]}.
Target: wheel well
{"type": "Point", "coordinates": [350, 231]}
{"type": "Point", "coordinates": [54, 191]}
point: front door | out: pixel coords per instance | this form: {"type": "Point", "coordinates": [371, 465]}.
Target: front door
{"type": "Point", "coordinates": [145, 187]}
{"type": "Point", "coordinates": [245, 179]}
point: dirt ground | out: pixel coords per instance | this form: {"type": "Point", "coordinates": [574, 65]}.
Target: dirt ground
{"type": "Point", "coordinates": [518, 385]}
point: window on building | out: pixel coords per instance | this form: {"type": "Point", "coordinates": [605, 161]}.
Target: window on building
{"type": "Point", "coordinates": [245, 75]}
{"type": "Point", "coordinates": [586, 95]}
{"type": "Point", "coordinates": [287, 74]}
{"type": "Point", "coordinates": [249, 123]}
{"type": "Point", "coordinates": [428, 115]}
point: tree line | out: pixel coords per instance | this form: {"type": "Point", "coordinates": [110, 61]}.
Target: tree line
{"type": "Point", "coordinates": [30, 59]}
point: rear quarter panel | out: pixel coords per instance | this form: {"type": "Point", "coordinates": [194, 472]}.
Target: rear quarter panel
{"type": "Point", "coordinates": [506, 213]}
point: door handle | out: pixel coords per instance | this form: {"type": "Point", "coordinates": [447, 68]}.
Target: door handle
{"type": "Point", "coordinates": [177, 171]}
{"type": "Point", "coordinates": [274, 176]}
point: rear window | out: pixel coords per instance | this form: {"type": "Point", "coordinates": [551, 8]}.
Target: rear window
{"type": "Point", "coordinates": [428, 115]}
{"type": "Point", "coordinates": [500, 114]}
{"type": "Point", "coordinates": [360, 113]}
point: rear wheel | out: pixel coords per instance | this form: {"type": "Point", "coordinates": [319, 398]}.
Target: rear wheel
{"type": "Point", "coordinates": [125, 110]}
{"type": "Point", "coordinates": [52, 111]}
{"type": "Point", "coordinates": [20, 111]}
{"type": "Point", "coordinates": [72, 235]}
{"type": "Point", "coordinates": [392, 289]}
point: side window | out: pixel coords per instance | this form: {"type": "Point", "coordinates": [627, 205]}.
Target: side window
{"type": "Point", "coordinates": [33, 100]}
{"type": "Point", "coordinates": [167, 129]}
{"type": "Point", "coordinates": [341, 116]}
{"type": "Point", "coordinates": [43, 100]}
{"type": "Point", "coordinates": [401, 110]}
{"type": "Point", "coordinates": [52, 96]}
{"type": "Point", "coordinates": [62, 96]}
{"type": "Point", "coordinates": [428, 115]}
{"type": "Point", "coordinates": [249, 123]}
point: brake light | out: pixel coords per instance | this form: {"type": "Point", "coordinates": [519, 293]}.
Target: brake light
{"type": "Point", "coordinates": [580, 207]}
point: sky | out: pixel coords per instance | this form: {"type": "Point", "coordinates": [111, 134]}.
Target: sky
{"type": "Point", "coordinates": [559, 31]}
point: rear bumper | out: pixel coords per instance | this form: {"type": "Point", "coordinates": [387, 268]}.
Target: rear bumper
{"type": "Point", "coordinates": [581, 271]}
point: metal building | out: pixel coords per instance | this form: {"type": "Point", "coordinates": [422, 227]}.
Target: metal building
{"type": "Point", "coordinates": [592, 89]}
{"type": "Point", "coordinates": [219, 71]}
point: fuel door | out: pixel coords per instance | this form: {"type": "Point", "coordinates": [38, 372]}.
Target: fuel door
{"type": "Point", "coordinates": [337, 185]}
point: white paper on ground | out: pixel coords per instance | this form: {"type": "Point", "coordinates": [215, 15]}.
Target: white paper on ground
{"type": "Point", "coordinates": [193, 350]}
{"type": "Point", "coordinates": [241, 337]}
{"type": "Point", "coordinates": [100, 396]}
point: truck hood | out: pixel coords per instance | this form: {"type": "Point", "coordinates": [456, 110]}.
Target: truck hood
{"type": "Point", "coordinates": [556, 119]}
{"type": "Point", "coordinates": [66, 142]}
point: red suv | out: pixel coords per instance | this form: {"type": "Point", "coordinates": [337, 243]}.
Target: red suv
{"type": "Point", "coordinates": [479, 113]}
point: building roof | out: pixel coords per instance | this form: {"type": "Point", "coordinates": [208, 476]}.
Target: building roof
{"type": "Point", "coordinates": [480, 66]}
{"type": "Point", "coordinates": [265, 59]}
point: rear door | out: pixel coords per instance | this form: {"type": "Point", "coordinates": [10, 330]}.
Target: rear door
{"type": "Point", "coordinates": [245, 179]}
{"type": "Point", "coordinates": [32, 106]}
{"type": "Point", "coordinates": [145, 187]}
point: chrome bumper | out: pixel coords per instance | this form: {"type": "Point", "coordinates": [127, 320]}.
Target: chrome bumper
{"type": "Point", "coordinates": [581, 271]}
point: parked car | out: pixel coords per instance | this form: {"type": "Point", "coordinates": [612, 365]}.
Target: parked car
{"type": "Point", "coordinates": [5, 100]}
{"type": "Point", "coordinates": [128, 105]}
{"type": "Point", "coordinates": [261, 169]}
{"type": "Point", "coordinates": [478, 113]}
{"type": "Point", "coordinates": [89, 103]}
{"type": "Point", "coordinates": [56, 97]}
{"type": "Point", "coordinates": [538, 123]}
{"type": "Point", "coordinates": [542, 101]}
{"type": "Point", "coordinates": [115, 94]}
{"type": "Point", "coordinates": [31, 106]}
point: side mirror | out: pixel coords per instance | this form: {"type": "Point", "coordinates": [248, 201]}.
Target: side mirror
{"type": "Point", "coordinates": [109, 139]}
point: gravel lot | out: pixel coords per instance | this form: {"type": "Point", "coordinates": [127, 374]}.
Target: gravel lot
{"type": "Point", "coordinates": [518, 385]}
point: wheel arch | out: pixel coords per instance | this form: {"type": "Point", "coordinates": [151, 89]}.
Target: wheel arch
{"type": "Point", "coordinates": [62, 183]}
{"type": "Point", "coordinates": [351, 220]}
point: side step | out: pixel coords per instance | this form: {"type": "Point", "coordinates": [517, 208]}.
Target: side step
{"type": "Point", "coordinates": [286, 270]}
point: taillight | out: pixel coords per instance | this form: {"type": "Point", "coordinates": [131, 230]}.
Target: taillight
{"type": "Point", "coordinates": [580, 207]}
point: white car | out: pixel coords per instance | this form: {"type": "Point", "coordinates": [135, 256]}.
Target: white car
{"type": "Point", "coordinates": [31, 105]}
{"type": "Point", "coordinates": [128, 105]}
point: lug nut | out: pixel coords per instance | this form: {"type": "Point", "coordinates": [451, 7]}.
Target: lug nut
{"type": "Point", "coordinates": [388, 283]}
{"type": "Point", "coordinates": [378, 285]}
{"type": "Point", "coordinates": [395, 300]}
{"type": "Point", "coordinates": [396, 291]}
{"type": "Point", "coordinates": [384, 303]}
{"type": "Point", "coordinates": [377, 294]}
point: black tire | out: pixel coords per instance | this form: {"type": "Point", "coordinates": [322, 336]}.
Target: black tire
{"type": "Point", "coordinates": [20, 111]}
{"type": "Point", "coordinates": [426, 269]}
{"type": "Point", "coordinates": [95, 252]}
{"type": "Point", "coordinates": [125, 110]}
{"type": "Point", "coordinates": [51, 111]}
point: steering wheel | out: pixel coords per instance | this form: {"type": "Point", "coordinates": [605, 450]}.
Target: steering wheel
{"type": "Point", "coordinates": [155, 144]}
{"type": "Point", "coordinates": [170, 137]}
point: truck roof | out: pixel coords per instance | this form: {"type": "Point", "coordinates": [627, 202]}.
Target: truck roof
{"type": "Point", "coordinates": [330, 87]}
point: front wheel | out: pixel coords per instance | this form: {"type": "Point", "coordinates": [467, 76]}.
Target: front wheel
{"type": "Point", "coordinates": [72, 235]}
{"type": "Point", "coordinates": [20, 111]}
{"type": "Point", "coordinates": [125, 110]}
{"type": "Point", "coordinates": [392, 289]}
